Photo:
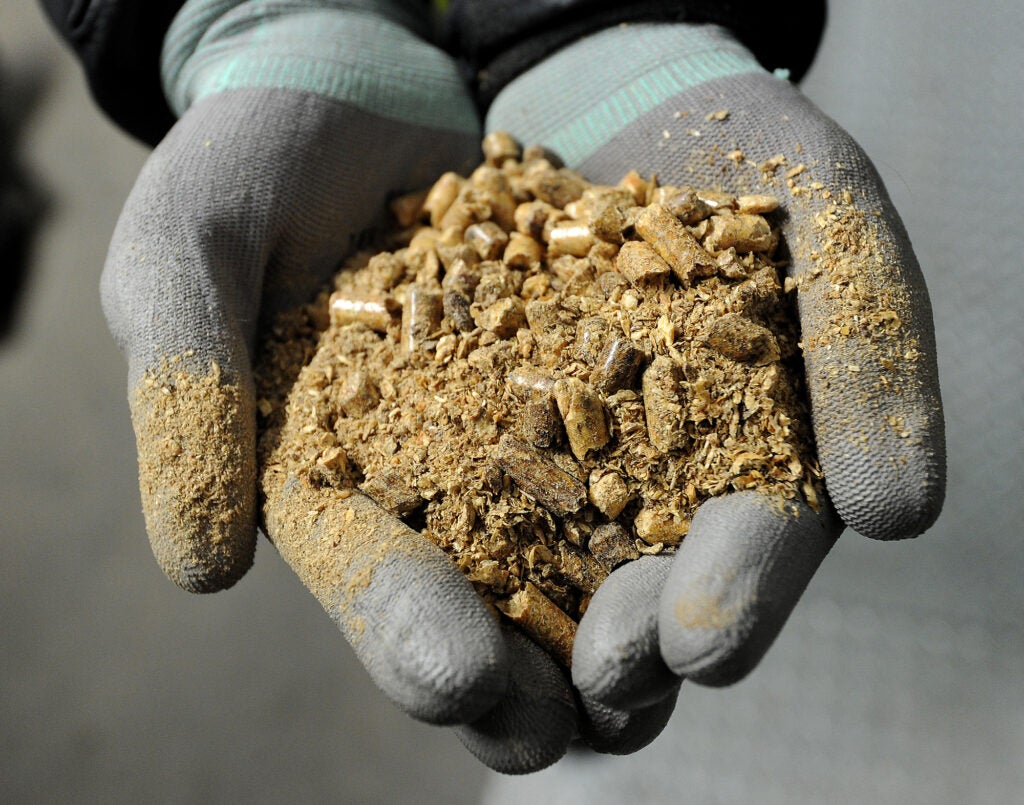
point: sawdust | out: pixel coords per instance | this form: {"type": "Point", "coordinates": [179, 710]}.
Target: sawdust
{"type": "Point", "coordinates": [544, 377]}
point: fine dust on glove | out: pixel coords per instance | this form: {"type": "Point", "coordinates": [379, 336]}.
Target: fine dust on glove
{"type": "Point", "coordinates": [408, 613]}
{"type": "Point", "coordinates": [197, 475]}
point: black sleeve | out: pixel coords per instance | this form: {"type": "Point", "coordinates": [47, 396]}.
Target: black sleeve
{"type": "Point", "coordinates": [499, 39]}
{"type": "Point", "coordinates": [118, 43]}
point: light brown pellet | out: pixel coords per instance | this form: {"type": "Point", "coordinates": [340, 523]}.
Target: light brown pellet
{"type": "Point", "coordinates": [441, 196]}
{"type": "Point", "coordinates": [524, 381]}
{"type": "Point", "coordinates": [542, 621]}
{"type": "Point", "coordinates": [717, 200]}
{"type": "Point", "coordinates": [463, 213]}
{"type": "Point", "coordinates": [741, 339]}
{"type": "Point", "coordinates": [674, 244]}
{"type": "Point", "coordinates": [683, 203]}
{"type": "Point", "coordinates": [757, 204]}
{"type": "Point", "coordinates": [499, 146]}
{"type": "Point", "coordinates": [557, 187]}
{"type": "Point", "coordinates": [375, 310]}
{"type": "Point", "coordinates": [421, 316]}
{"type": "Point", "coordinates": [639, 262]}
{"type": "Point", "coordinates": [591, 333]}
{"type": "Point", "coordinates": [540, 425]}
{"type": "Point", "coordinates": [616, 366]}
{"type": "Point", "coordinates": [456, 308]}
{"type": "Point", "coordinates": [656, 525]}
{"type": "Point", "coordinates": [662, 389]}
{"type": "Point", "coordinates": [612, 545]}
{"type": "Point", "coordinates": [462, 275]}
{"type": "Point", "coordinates": [532, 218]}
{"type": "Point", "coordinates": [609, 494]}
{"type": "Point", "coordinates": [570, 237]}
{"type": "Point", "coordinates": [392, 493]}
{"type": "Point", "coordinates": [581, 568]}
{"type": "Point", "coordinates": [582, 415]}
{"type": "Point", "coordinates": [637, 186]}
{"type": "Point", "coordinates": [502, 317]}
{"type": "Point", "coordinates": [487, 239]}
{"type": "Point", "coordinates": [745, 233]}
{"type": "Point", "coordinates": [522, 251]}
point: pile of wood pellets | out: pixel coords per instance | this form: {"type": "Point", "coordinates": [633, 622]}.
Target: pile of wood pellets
{"type": "Point", "coordinates": [547, 377]}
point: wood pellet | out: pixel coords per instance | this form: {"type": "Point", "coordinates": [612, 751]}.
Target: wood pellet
{"type": "Point", "coordinates": [547, 377]}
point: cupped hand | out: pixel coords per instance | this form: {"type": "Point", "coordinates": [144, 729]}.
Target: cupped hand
{"type": "Point", "coordinates": [296, 125]}
{"type": "Point", "coordinates": [691, 106]}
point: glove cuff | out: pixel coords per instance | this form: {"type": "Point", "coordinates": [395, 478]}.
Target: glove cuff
{"type": "Point", "coordinates": [500, 39]}
{"type": "Point", "coordinates": [359, 53]}
{"type": "Point", "coordinates": [584, 95]}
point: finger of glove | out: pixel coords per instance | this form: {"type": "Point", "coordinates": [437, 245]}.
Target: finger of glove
{"type": "Point", "coordinates": [252, 197]}
{"type": "Point", "coordinates": [532, 726]}
{"type": "Point", "coordinates": [736, 577]}
{"type": "Point", "coordinates": [616, 657]}
{"type": "Point", "coordinates": [622, 732]}
{"type": "Point", "coordinates": [673, 100]}
{"type": "Point", "coordinates": [866, 321]}
{"type": "Point", "coordinates": [195, 429]}
{"type": "Point", "coordinates": [868, 347]}
{"type": "Point", "coordinates": [417, 625]}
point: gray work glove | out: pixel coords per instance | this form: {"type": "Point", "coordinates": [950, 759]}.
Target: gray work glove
{"type": "Point", "coordinates": [690, 105]}
{"type": "Point", "coordinates": [297, 119]}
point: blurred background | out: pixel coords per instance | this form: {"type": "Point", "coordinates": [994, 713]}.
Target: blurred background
{"type": "Point", "coordinates": [898, 678]}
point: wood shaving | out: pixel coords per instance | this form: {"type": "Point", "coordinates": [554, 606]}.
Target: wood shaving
{"type": "Point", "coordinates": [547, 377]}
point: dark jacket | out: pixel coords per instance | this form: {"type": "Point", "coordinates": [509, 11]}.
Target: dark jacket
{"type": "Point", "coordinates": [119, 41]}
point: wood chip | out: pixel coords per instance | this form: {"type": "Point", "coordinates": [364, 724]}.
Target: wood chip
{"type": "Point", "coordinates": [542, 621]}
{"type": "Point", "coordinates": [540, 477]}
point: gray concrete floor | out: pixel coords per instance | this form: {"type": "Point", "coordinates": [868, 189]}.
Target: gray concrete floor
{"type": "Point", "coordinates": [897, 680]}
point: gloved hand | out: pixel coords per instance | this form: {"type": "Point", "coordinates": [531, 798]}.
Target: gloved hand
{"type": "Point", "coordinates": [690, 105]}
{"type": "Point", "coordinates": [297, 119]}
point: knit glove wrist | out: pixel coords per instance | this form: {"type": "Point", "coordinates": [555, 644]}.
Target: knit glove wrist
{"type": "Point", "coordinates": [690, 105]}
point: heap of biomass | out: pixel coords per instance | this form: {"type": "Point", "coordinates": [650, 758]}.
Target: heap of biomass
{"type": "Point", "coordinates": [547, 377]}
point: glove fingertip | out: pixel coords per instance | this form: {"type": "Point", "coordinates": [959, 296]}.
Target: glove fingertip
{"type": "Point", "coordinates": [896, 507]}
{"type": "Point", "coordinates": [417, 625]}
{"type": "Point", "coordinates": [616, 658]}
{"type": "Point", "coordinates": [737, 577]}
{"type": "Point", "coordinates": [196, 437]}
{"type": "Point", "coordinates": [429, 643]}
{"type": "Point", "coordinates": [532, 726]}
{"type": "Point", "coordinates": [612, 731]}
{"type": "Point", "coordinates": [196, 566]}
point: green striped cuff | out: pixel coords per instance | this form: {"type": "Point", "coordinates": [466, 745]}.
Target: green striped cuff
{"type": "Point", "coordinates": [348, 54]}
{"type": "Point", "coordinates": [582, 96]}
